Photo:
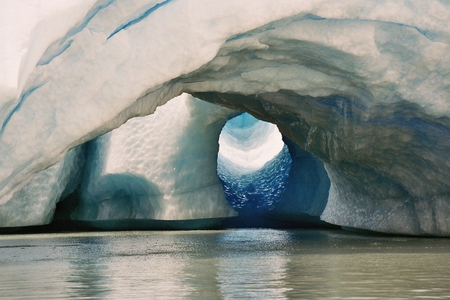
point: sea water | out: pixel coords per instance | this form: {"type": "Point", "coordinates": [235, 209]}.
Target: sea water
{"type": "Point", "coordinates": [226, 264]}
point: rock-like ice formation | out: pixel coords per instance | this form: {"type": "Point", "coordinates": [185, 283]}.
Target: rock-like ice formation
{"type": "Point", "coordinates": [362, 85]}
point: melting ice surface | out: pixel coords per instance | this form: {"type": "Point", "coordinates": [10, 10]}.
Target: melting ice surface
{"type": "Point", "coordinates": [358, 89]}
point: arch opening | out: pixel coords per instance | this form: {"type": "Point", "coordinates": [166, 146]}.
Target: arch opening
{"type": "Point", "coordinates": [253, 165]}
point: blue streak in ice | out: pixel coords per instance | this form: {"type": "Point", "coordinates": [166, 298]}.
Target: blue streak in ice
{"type": "Point", "coordinates": [63, 45]}
{"type": "Point", "coordinates": [22, 99]}
{"type": "Point", "coordinates": [140, 18]}
{"type": "Point", "coordinates": [45, 60]}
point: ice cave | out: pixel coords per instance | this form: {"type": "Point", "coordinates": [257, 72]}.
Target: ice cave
{"type": "Point", "coordinates": [111, 113]}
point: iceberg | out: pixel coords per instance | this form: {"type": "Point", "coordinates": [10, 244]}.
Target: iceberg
{"type": "Point", "coordinates": [361, 86]}
{"type": "Point", "coordinates": [247, 144]}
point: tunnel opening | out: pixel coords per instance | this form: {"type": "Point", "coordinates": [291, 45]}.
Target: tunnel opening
{"type": "Point", "coordinates": [253, 165]}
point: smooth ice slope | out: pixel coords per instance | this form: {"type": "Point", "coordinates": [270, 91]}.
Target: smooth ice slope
{"type": "Point", "coordinates": [28, 27]}
{"type": "Point", "coordinates": [362, 85]}
{"type": "Point", "coordinates": [159, 167]}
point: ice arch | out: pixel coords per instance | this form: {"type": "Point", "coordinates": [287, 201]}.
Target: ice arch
{"type": "Point", "coordinates": [362, 85]}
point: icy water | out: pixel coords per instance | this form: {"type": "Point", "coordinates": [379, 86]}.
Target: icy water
{"type": "Point", "coordinates": [232, 264]}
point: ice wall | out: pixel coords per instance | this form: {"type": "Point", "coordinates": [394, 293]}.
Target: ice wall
{"type": "Point", "coordinates": [307, 189]}
{"type": "Point", "coordinates": [362, 85]}
{"type": "Point", "coordinates": [160, 167]}
{"type": "Point", "coordinates": [28, 27]}
{"type": "Point", "coordinates": [35, 203]}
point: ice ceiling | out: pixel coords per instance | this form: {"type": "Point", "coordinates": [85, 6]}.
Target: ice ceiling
{"type": "Point", "coordinates": [362, 86]}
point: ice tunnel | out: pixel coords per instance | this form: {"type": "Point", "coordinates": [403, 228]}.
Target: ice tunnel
{"type": "Point", "coordinates": [269, 183]}
{"type": "Point", "coordinates": [154, 173]}
{"type": "Point", "coordinates": [253, 164]}
{"type": "Point", "coordinates": [358, 89]}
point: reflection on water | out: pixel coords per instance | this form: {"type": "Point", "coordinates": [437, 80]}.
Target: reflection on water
{"type": "Point", "coordinates": [235, 264]}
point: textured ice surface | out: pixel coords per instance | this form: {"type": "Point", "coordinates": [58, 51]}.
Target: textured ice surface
{"type": "Point", "coordinates": [362, 85]}
{"type": "Point", "coordinates": [162, 166]}
{"type": "Point", "coordinates": [35, 203]}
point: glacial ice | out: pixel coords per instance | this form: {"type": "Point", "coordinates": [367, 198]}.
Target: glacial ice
{"type": "Point", "coordinates": [363, 86]}
{"type": "Point", "coordinates": [306, 190]}
{"type": "Point", "coordinates": [159, 167]}
{"type": "Point", "coordinates": [35, 203]}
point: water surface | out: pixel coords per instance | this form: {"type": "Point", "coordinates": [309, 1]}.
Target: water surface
{"type": "Point", "coordinates": [231, 264]}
